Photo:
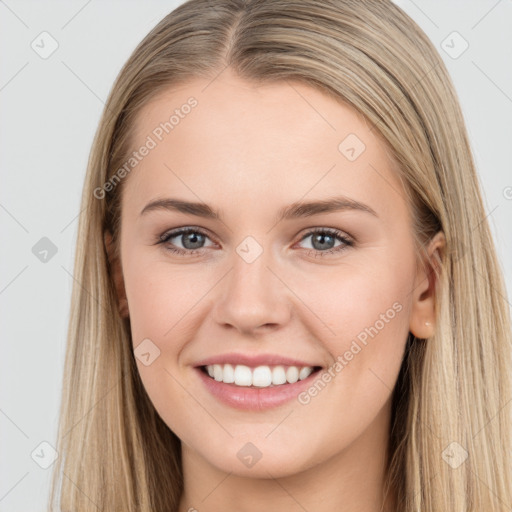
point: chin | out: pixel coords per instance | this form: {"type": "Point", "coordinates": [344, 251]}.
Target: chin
{"type": "Point", "coordinates": [258, 458]}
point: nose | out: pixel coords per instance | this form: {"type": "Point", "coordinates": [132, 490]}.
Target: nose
{"type": "Point", "coordinates": [253, 297]}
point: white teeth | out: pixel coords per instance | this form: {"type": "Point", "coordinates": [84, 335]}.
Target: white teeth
{"type": "Point", "coordinates": [261, 376]}
{"type": "Point", "coordinates": [228, 374]}
{"type": "Point", "coordinates": [292, 374]}
{"type": "Point", "coordinates": [243, 375]}
{"type": "Point", "coordinates": [305, 372]}
{"type": "Point", "coordinates": [217, 372]}
{"type": "Point", "coordinates": [278, 375]}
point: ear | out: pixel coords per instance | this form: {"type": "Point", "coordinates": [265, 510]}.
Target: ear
{"type": "Point", "coordinates": [117, 275]}
{"type": "Point", "coordinates": [423, 312]}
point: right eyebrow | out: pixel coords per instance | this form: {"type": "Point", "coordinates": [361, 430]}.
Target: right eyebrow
{"type": "Point", "coordinates": [199, 209]}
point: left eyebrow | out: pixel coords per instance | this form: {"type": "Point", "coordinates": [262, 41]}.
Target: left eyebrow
{"type": "Point", "coordinates": [293, 211]}
{"type": "Point", "coordinates": [340, 203]}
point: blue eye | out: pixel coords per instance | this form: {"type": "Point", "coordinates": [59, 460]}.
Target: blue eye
{"type": "Point", "coordinates": [193, 239]}
{"type": "Point", "coordinates": [322, 240]}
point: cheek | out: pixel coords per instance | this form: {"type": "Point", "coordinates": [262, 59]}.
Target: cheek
{"type": "Point", "coordinates": [164, 303]}
{"type": "Point", "coordinates": [352, 299]}
{"type": "Point", "coordinates": [161, 297]}
{"type": "Point", "coordinates": [364, 313]}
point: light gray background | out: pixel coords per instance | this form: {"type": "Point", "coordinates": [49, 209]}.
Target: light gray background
{"type": "Point", "coordinates": [49, 110]}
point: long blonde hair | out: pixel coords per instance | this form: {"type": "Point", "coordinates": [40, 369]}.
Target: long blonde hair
{"type": "Point", "coordinates": [451, 400]}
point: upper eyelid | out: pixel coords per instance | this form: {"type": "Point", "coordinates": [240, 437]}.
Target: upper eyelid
{"type": "Point", "coordinates": [171, 233]}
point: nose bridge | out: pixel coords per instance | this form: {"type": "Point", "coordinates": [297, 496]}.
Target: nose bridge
{"type": "Point", "coordinates": [252, 296]}
{"type": "Point", "coordinates": [251, 276]}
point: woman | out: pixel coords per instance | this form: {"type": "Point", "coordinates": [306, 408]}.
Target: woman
{"type": "Point", "coordinates": [288, 292]}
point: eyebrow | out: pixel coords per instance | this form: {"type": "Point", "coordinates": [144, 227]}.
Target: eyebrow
{"type": "Point", "coordinates": [293, 211]}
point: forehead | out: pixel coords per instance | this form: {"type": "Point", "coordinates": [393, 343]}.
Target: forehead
{"type": "Point", "coordinates": [276, 141]}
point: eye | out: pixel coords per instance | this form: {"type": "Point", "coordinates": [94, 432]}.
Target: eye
{"type": "Point", "coordinates": [323, 241]}
{"type": "Point", "coordinates": [191, 238]}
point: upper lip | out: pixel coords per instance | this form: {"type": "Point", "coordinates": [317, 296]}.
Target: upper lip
{"type": "Point", "coordinates": [254, 360]}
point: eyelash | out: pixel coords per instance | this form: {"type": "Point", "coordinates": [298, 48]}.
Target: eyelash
{"type": "Point", "coordinates": [163, 239]}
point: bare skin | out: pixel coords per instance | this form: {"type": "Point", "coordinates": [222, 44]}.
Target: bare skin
{"type": "Point", "coordinates": [248, 151]}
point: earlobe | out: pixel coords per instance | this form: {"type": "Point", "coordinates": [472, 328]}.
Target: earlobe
{"type": "Point", "coordinates": [117, 275]}
{"type": "Point", "coordinates": [423, 314]}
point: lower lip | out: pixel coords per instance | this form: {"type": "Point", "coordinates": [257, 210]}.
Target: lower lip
{"type": "Point", "coordinates": [253, 398]}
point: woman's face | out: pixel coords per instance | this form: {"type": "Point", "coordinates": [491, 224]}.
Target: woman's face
{"type": "Point", "coordinates": [299, 254]}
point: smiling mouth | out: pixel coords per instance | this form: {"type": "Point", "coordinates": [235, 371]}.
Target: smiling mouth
{"type": "Point", "coordinates": [258, 377]}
